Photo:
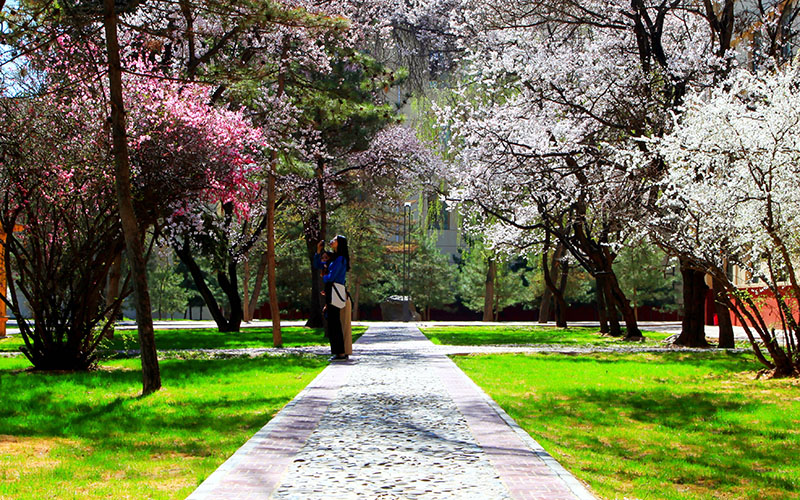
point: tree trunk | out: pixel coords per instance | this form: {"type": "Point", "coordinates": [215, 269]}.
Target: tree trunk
{"type": "Point", "coordinates": [315, 318]}
{"type": "Point", "coordinates": [112, 289]}
{"type": "Point", "coordinates": [488, 296]}
{"type": "Point", "coordinates": [260, 272]}
{"type": "Point", "coordinates": [185, 254]}
{"type": "Point", "coordinates": [614, 328]}
{"type": "Point", "coordinates": [557, 291]}
{"type": "Point", "coordinates": [151, 375]}
{"type": "Point", "coordinates": [496, 307]}
{"type": "Point", "coordinates": [622, 305]}
{"type": "Point", "coordinates": [694, 301]}
{"type": "Point", "coordinates": [272, 285]}
{"type": "Point", "coordinates": [246, 291]}
{"type": "Point", "coordinates": [726, 339]}
{"type": "Point", "coordinates": [602, 305]}
{"type": "Point", "coordinates": [356, 290]}
{"type": "Point", "coordinates": [544, 306]}
{"type": "Point", "coordinates": [323, 206]}
{"type": "Point", "coordinates": [230, 285]}
{"type": "Point", "coordinates": [561, 303]}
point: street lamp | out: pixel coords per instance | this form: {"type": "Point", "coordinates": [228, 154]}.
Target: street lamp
{"type": "Point", "coordinates": [406, 243]}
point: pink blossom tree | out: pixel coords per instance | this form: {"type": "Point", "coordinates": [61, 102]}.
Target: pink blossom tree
{"type": "Point", "coordinates": [183, 152]}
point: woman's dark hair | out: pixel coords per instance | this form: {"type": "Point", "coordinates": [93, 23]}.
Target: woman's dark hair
{"type": "Point", "coordinates": [342, 250]}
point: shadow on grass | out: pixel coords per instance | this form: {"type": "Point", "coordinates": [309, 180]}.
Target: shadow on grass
{"type": "Point", "coordinates": [666, 425]}
{"type": "Point", "coordinates": [202, 403]}
{"type": "Point", "coordinates": [677, 436]}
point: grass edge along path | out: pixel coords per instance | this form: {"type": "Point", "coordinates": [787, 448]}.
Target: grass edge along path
{"type": "Point", "coordinates": [207, 338]}
{"type": "Point", "coordinates": [654, 426]}
{"type": "Point", "coordinates": [89, 435]}
{"type": "Point", "coordinates": [575, 336]}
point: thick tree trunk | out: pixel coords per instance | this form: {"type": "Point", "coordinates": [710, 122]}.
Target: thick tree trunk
{"type": "Point", "coordinates": [316, 301]}
{"type": "Point", "coordinates": [726, 339]}
{"type": "Point", "coordinates": [316, 318]}
{"type": "Point", "coordinates": [151, 375]}
{"type": "Point", "coordinates": [185, 254]}
{"type": "Point", "coordinates": [230, 285]}
{"type": "Point", "coordinates": [488, 296]}
{"type": "Point", "coordinates": [557, 291]}
{"type": "Point", "coordinates": [544, 306]}
{"type": "Point", "coordinates": [614, 328]}
{"type": "Point", "coordinates": [622, 305]}
{"type": "Point", "coordinates": [602, 306]}
{"type": "Point", "coordinates": [694, 301]}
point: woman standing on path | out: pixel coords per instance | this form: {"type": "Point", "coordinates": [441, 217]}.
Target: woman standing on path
{"type": "Point", "coordinates": [337, 275]}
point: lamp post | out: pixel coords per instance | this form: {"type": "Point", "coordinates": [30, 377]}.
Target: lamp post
{"type": "Point", "coordinates": [406, 230]}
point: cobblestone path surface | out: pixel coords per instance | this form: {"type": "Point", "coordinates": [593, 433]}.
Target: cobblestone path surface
{"type": "Point", "coordinates": [399, 420]}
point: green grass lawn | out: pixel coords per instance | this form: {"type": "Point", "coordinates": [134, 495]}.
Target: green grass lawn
{"type": "Point", "coordinates": [492, 335]}
{"type": "Point", "coordinates": [89, 435]}
{"type": "Point", "coordinates": [208, 338]}
{"type": "Point", "coordinates": [665, 426]}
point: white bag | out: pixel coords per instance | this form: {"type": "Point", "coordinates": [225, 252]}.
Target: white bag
{"type": "Point", "coordinates": [338, 295]}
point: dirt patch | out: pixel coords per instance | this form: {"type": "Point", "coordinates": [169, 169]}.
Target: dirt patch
{"type": "Point", "coordinates": [28, 454]}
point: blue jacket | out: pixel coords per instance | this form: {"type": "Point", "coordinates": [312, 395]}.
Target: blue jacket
{"type": "Point", "coordinates": [337, 269]}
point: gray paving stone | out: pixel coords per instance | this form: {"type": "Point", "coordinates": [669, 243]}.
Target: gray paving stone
{"type": "Point", "coordinates": [397, 421]}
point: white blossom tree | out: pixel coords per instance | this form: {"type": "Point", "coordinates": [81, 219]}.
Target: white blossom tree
{"type": "Point", "coordinates": [555, 99]}
{"type": "Point", "coordinates": [731, 198]}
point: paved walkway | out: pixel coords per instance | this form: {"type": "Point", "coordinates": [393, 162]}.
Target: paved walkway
{"type": "Point", "coordinates": [399, 420]}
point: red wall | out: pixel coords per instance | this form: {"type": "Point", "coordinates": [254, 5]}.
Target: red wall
{"type": "Point", "coordinates": [768, 306]}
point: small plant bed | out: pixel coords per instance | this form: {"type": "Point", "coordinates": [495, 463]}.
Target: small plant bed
{"type": "Point", "coordinates": [533, 335]}
{"type": "Point", "coordinates": [207, 338]}
{"type": "Point", "coordinates": [90, 435]}
{"type": "Point", "coordinates": [672, 425]}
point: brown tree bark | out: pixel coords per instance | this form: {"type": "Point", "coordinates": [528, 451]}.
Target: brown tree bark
{"type": "Point", "coordinates": [544, 306]}
{"type": "Point", "coordinates": [694, 301]}
{"type": "Point", "coordinates": [312, 237]}
{"type": "Point", "coordinates": [356, 291]}
{"type": "Point", "coordinates": [316, 301]}
{"type": "Point", "coordinates": [624, 307]}
{"type": "Point", "coordinates": [259, 283]}
{"type": "Point", "coordinates": [246, 290]}
{"type": "Point", "coordinates": [151, 375]}
{"type": "Point", "coordinates": [614, 328]}
{"type": "Point", "coordinates": [217, 314]}
{"type": "Point", "coordinates": [561, 303]}
{"type": "Point", "coordinates": [726, 339]}
{"type": "Point", "coordinates": [112, 288]}
{"type": "Point", "coordinates": [488, 296]}
{"type": "Point", "coordinates": [602, 306]}
{"type": "Point", "coordinates": [272, 285]}
{"type": "Point", "coordinates": [557, 291]}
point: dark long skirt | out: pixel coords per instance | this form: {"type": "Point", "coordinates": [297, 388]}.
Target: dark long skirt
{"type": "Point", "coordinates": [335, 334]}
